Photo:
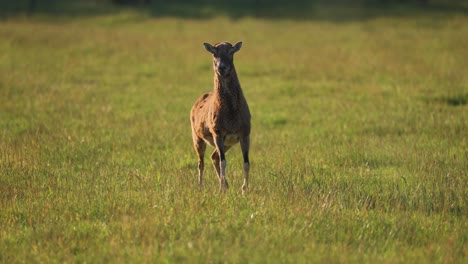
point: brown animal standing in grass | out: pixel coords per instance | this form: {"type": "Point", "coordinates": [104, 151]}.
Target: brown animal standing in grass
{"type": "Point", "coordinates": [221, 118]}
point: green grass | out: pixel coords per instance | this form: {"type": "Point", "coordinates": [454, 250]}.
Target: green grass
{"type": "Point", "coordinates": [359, 140]}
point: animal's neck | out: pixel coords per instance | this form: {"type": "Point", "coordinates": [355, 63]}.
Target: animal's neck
{"type": "Point", "coordinates": [227, 88]}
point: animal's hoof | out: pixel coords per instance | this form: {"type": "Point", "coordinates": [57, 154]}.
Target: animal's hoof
{"type": "Point", "coordinates": [245, 189]}
{"type": "Point", "coordinates": [224, 185]}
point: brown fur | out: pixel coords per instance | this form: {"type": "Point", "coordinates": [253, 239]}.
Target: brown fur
{"type": "Point", "coordinates": [221, 118]}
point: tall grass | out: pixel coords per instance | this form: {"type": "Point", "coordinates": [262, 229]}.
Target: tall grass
{"type": "Point", "coordinates": [359, 147]}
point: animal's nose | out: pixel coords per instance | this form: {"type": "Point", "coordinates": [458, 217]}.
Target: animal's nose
{"type": "Point", "coordinates": [222, 68]}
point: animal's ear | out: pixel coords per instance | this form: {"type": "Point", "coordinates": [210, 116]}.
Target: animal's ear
{"type": "Point", "coordinates": [209, 48]}
{"type": "Point", "coordinates": [236, 47]}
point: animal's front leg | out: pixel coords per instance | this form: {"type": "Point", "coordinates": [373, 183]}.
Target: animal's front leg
{"type": "Point", "coordinates": [245, 145]}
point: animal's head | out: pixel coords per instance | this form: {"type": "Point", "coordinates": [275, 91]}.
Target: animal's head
{"type": "Point", "coordinates": [223, 56]}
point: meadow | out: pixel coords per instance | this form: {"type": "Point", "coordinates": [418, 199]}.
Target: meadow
{"type": "Point", "coordinates": [359, 148]}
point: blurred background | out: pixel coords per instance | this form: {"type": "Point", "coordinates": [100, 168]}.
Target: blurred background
{"type": "Point", "coordinates": [294, 9]}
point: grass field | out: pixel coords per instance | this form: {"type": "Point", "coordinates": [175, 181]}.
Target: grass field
{"type": "Point", "coordinates": [359, 138]}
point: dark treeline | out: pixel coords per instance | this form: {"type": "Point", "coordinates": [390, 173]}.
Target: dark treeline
{"type": "Point", "coordinates": [254, 2]}
{"type": "Point", "coordinates": [32, 4]}
{"type": "Point", "coordinates": [271, 9]}
{"type": "Point", "coordinates": [278, 2]}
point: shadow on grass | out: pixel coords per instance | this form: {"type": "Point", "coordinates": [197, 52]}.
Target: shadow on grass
{"type": "Point", "coordinates": [454, 100]}
{"type": "Point", "coordinates": [332, 10]}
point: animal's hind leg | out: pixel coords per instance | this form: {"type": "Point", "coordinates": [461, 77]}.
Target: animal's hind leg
{"type": "Point", "coordinates": [218, 167]}
{"type": "Point", "coordinates": [200, 147]}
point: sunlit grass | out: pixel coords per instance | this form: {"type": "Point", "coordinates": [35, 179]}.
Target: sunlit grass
{"type": "Point", "coordinates": [359, 148]}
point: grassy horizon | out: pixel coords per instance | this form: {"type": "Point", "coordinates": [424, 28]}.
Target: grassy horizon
{"type": "Point", "coordinates": [359, 146]}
